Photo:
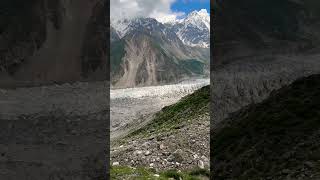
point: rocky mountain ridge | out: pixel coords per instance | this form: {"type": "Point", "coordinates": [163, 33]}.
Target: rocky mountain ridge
{"type": "Point", "coordinates": [193, 30]}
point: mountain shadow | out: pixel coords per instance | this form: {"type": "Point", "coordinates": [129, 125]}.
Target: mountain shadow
{"type": "Point", "coordinates": [275, 139]}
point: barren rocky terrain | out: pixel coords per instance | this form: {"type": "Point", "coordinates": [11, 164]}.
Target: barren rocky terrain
{"type": "Point", "coordinates": [49, 132]}
{"type": "Point", "coordinates": [185, 148]}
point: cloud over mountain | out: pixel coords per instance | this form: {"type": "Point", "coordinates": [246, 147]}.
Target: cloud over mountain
{"type": "Point", "coordinates": [160, 10]}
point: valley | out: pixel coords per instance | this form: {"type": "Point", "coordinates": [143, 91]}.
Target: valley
{"type": "Point", "coordinates": [132, 108]}
{"type": "Point", "coordinates": [157, 70]}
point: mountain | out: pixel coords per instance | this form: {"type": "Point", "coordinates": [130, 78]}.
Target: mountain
{"type": "Point", "coordinates": [257, 50]}
{"type": "Point", "coordinates": [42, 42]}
{"type": "Point", "coordinates": [275, 139]}
{"type": "Point", "coordinates": [250, 28]}
{"type": "Point", "coordinates": [194, 30]}
{"type": "Point", "coordinates": [260, 47]}
{"type": "Point", "coordinates": [150, 53]}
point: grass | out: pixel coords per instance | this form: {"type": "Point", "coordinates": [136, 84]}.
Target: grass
{"type": "Point", "coordinates": [141, 173]}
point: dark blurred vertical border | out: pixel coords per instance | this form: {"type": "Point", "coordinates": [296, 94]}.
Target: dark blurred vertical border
{"type": "Point", "coordinates": [212, 22]}
{"type": "Point", "coordinates": [108, 91]}
{"type": "Point", "coordinates": [54, 89]}
{"type": "Point", "coordinates": [265, 89]}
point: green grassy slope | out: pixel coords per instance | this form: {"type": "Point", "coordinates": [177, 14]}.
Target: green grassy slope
{"type": "Point", "coordinates": [176, 115]}
{"type": "Point", "coordinates": [276, 139]}
{"type": "Point", "coordinates": [122, 172]}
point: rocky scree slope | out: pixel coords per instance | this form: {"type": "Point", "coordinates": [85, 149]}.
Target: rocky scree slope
{"type": "Point", "coordinates": [43, 41]}
{"type": "Point", "coordinates": [176, 138]}
{"type": "Point", "coordinates": [275, 139]}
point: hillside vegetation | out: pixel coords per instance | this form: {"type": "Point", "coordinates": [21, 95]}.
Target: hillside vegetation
{"type": "Point", "coordinates": [177, 115]}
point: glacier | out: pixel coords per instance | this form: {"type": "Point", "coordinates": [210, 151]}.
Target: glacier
{"type": "Point", "coordinates": [132, 108]}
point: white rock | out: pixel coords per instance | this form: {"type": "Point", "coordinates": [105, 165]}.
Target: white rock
{"type": "Point", "coordinates": [115, 164]}
{"type": "Point", "coordinates": [195, 156]}
{"type": "Point", "coordinates": [138, 152]}
{"type": "Point", "coordinates": [147, 153]}
{"type": "Point", "coordinates": [200, 164]}
{"type": "Point", "coordinates": [161, 146]}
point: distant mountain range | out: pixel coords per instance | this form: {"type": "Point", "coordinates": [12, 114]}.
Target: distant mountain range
{"type": "Point", "coordinates": [145, 51]}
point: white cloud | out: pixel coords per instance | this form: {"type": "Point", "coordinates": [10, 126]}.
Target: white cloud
{"type": "Point", "coordinates": [158, 9]}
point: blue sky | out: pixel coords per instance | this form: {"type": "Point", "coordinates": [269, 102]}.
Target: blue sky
{"type": "Point", "coordinates": [190, 5]}
{"type": "Point", "coordinates": [162, 10]}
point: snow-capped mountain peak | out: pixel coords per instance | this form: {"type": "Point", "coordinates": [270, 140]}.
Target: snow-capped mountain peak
{"type": "Point", "coordinates": [120, 26]}
{"type": "Point", "coordinates": [124, 26]}
{"type": "Point", "coordinates": [194, 30]}
{"type": "Point", "coordinates": [200, 19]}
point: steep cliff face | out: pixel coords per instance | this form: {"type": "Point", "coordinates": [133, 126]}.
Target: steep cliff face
{"type": "Point", "coordinates": [145, 64]}
{"type": "Point", "coordinates": [52, 41]}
